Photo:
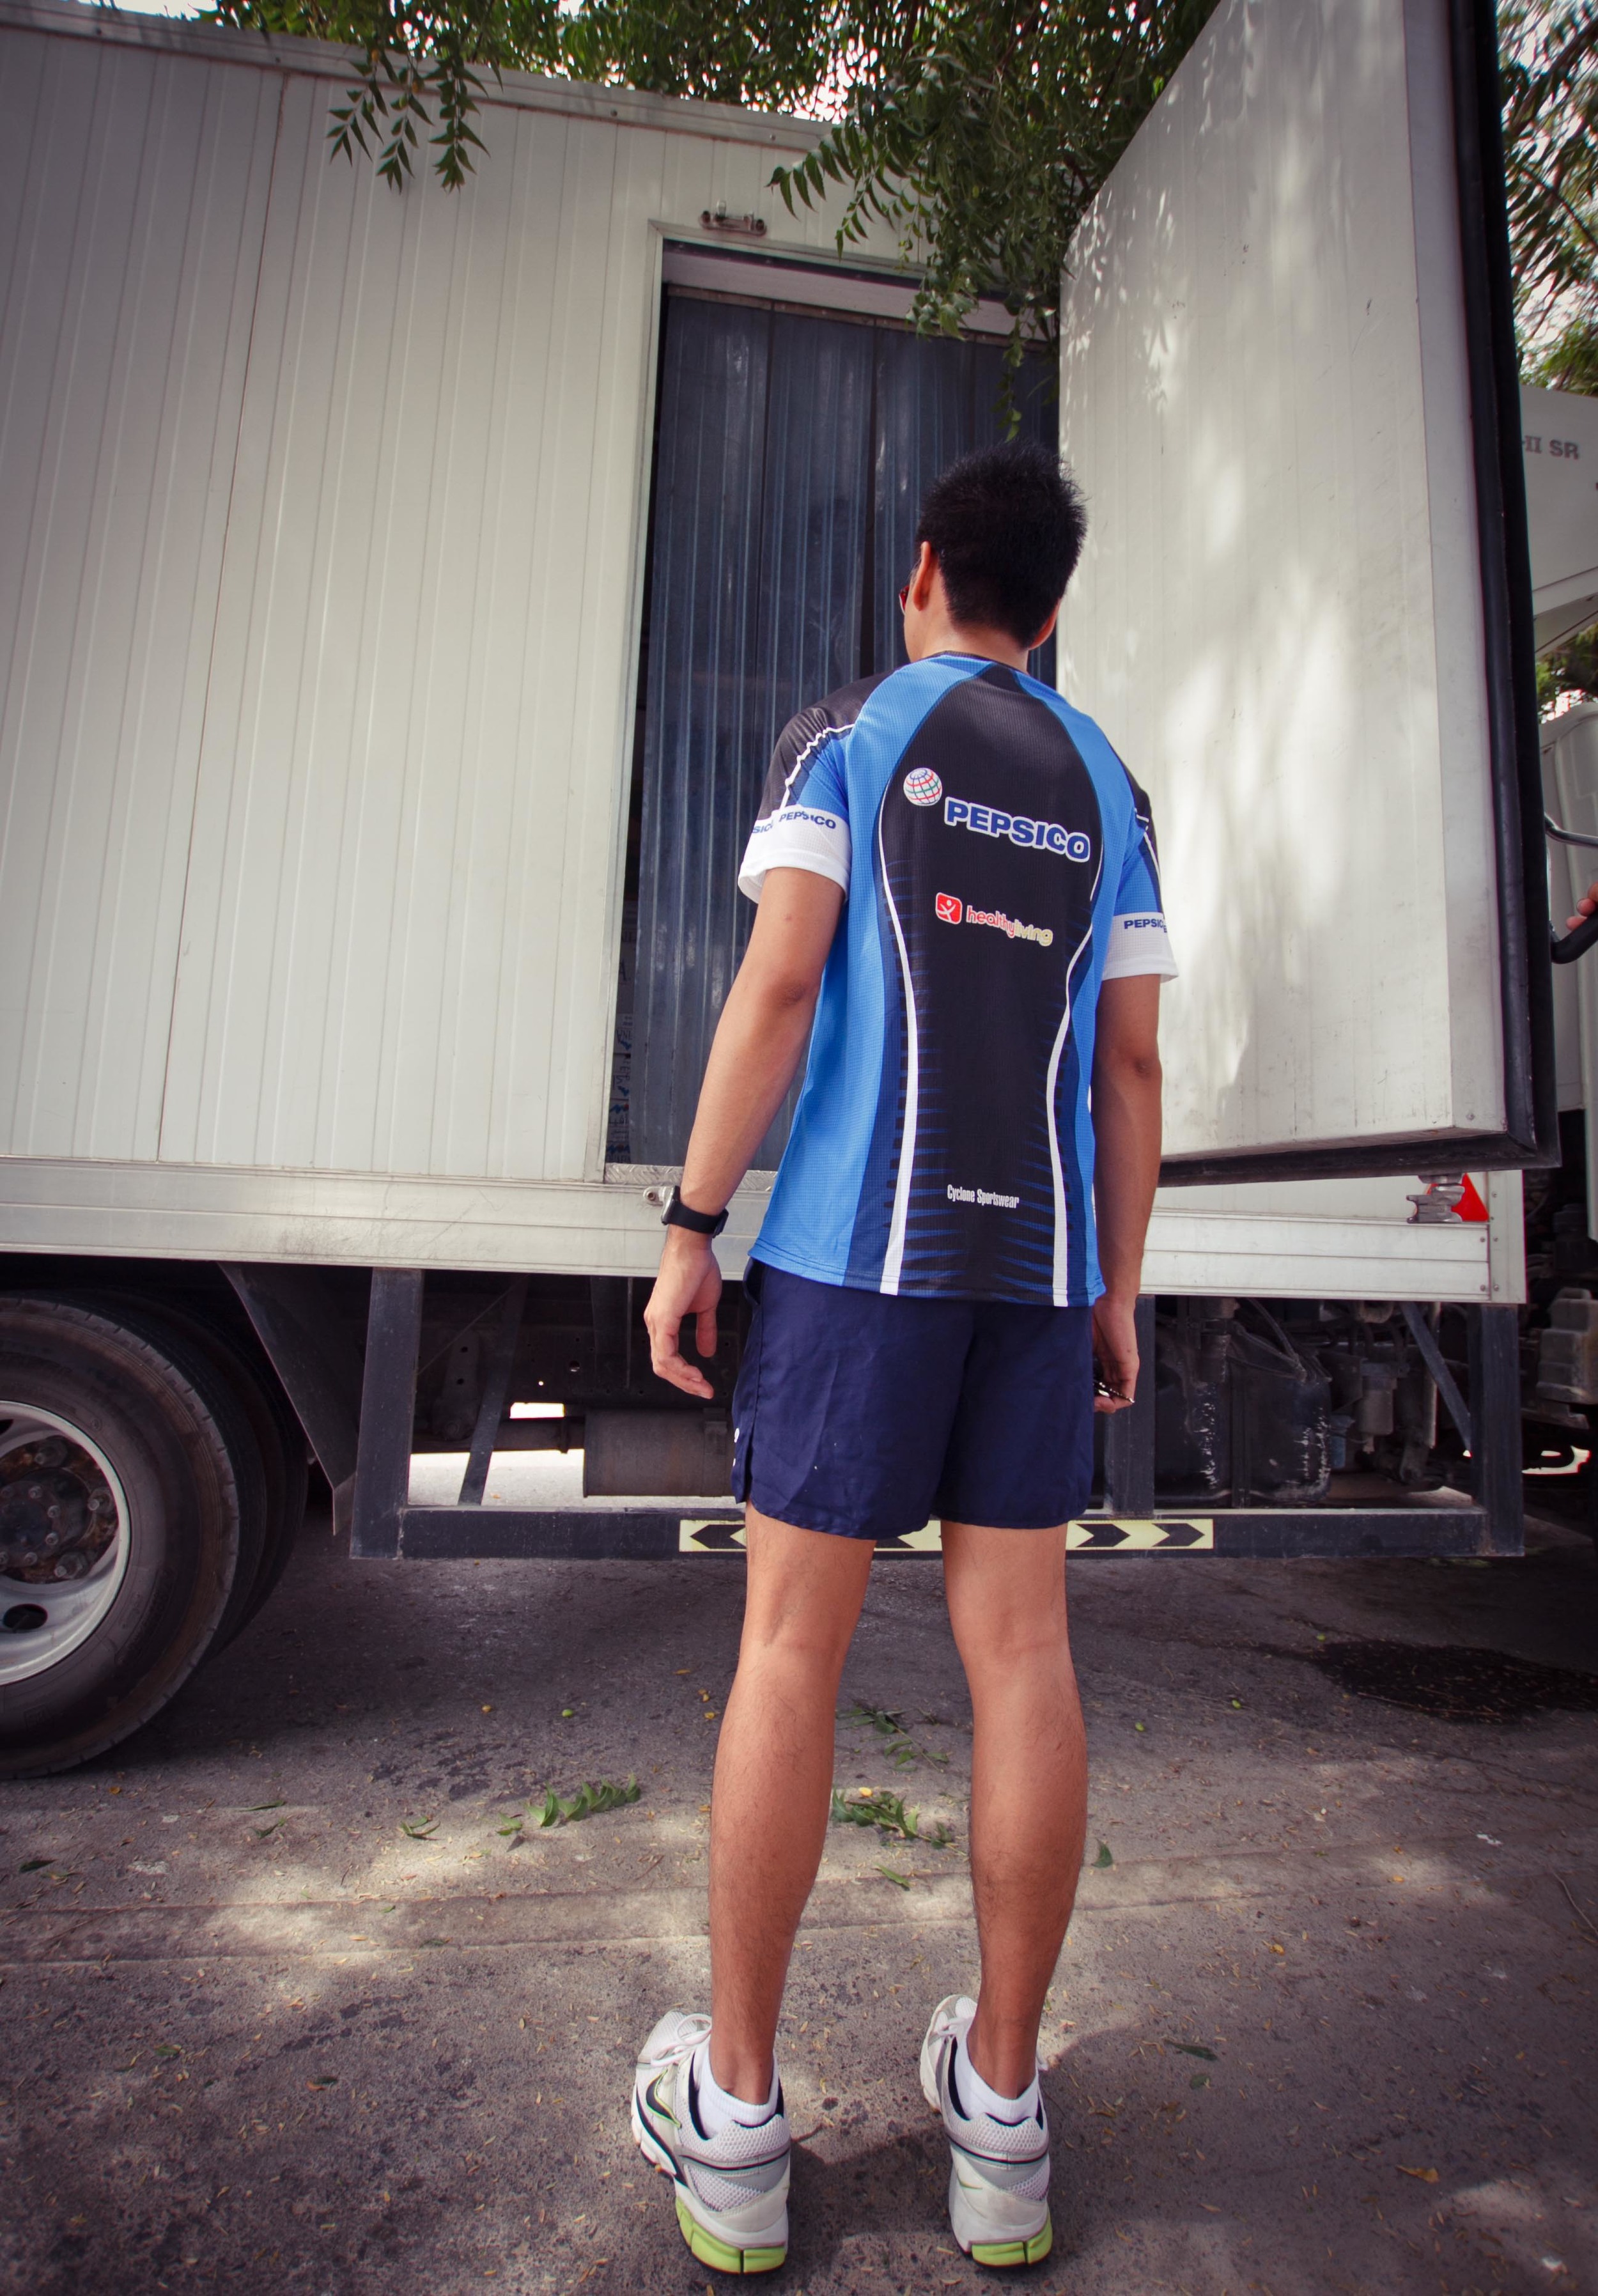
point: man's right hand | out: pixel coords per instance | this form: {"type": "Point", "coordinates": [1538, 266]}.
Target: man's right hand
{"type": "Point", "coordinates": [689, 1283]}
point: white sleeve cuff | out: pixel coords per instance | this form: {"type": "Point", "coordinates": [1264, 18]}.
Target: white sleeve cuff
{"type": "Point", "coordinates": [796, 838]}
{"type": "Point", "coordinates": [1139, 945]}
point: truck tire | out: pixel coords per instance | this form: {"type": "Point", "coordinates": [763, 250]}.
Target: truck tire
{"type": "Point", "coordinates": [119, 1527]}
{"type": "Point", "coordinates": [281, 1443]}
{"type": "Point", "coordinates": [279, 1448]}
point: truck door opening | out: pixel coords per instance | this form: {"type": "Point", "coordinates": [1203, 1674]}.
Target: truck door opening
{"type": "Point", "coordinates": [792, 447]}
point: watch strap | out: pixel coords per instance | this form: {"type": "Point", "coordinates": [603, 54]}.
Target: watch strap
{"type": "Point", "coordinates": [677, 1214]}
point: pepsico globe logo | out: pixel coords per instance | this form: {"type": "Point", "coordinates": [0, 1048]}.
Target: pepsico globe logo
{"type": "Point", "coordinates": [923, 787]}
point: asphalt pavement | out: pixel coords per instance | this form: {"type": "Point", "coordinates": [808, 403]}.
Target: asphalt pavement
{"type": "Point", "coordinates": [300, 1993]}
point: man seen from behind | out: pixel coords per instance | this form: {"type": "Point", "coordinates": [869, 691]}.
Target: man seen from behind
{"type": "Point", "coordinates": [959, 912]}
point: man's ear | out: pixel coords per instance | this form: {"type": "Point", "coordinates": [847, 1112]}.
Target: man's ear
{"type": "Point", "coordinates": [923, 578]}
{"type": "Point", "coordinates": [1046, 632]}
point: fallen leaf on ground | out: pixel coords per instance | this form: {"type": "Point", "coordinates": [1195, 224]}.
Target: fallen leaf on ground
{"type": "Point", "coordinates": [887, 1813]}
{"type": "Point", "coordinates": [591, 1800]}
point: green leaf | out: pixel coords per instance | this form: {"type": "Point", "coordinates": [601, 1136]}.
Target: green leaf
{"type": "Point", "coordinates": [900, 1881]}
{"type": "Point", "coordinates": [420, 1829]}
{"type": "Point", "coordinates": [1194, 2049]}
{"type": "Point", "coordinates": [887, 1812]}
{"type": "Point", "coordinates": [1104, 1859]}
{"type": "Point", "coordinates": [33, 1865]}
{"type": "Point", "coordinates": [281, 1803]}
{"type": "Point", "coordinates": [590, 1800]}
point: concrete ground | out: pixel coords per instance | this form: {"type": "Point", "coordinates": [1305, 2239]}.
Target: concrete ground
{"type": "Point", "coordinates": [287, 2005]}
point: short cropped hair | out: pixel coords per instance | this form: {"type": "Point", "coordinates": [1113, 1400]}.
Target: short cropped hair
{"type": "Point", "coordinates": [1007, 526]}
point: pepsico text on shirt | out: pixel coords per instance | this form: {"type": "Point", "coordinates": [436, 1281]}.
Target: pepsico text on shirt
{"type": "Point", "coordinates": [1045, 836]}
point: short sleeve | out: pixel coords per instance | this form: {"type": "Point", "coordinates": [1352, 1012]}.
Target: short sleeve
{"type": "Point", "coordinates": [1138, 939]}
{"type": "Point", "coordinates": [803, 817]}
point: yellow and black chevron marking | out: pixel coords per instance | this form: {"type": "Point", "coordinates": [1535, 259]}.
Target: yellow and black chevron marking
{"type": "Point", "coordinates": [1097, 1534]}
{"type": "Point", "coordinates": [717, 1535]}
{"type": "Point", "coordinates": [1165, 1534]}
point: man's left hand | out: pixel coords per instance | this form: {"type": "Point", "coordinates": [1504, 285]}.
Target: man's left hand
{"type": "Point", "coordinates": [689, 1283]}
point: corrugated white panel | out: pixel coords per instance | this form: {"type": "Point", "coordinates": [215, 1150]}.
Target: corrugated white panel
{"type": "Point", "coordinates": [399, 935]}
{"type": "Point", "coordinates": [1277, 619]}
{"type": "Point", "coordinates": [132, 193]}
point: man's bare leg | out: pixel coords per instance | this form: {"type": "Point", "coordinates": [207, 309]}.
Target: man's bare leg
{"type": "Point", "coordinates": [773, 1780]}
{"type": "Point", "coordinates": [1029, 1805]}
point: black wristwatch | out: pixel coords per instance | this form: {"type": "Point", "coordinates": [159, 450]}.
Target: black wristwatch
{"type": "Point", "coordinates": [677, 1214]}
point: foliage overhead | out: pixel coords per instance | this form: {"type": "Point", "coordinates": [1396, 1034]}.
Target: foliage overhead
{"type": "Point", "coordinates": [1550, 67]}
{"type": "Point", "coordinates": [1573, 669]}
{"type": "Point", "coordinates": [1550, 71]}
{"type": "Point", "coordinates": [979, 131]}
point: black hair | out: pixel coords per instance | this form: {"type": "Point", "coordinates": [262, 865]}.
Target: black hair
{"type": "Point", "coordinates": [1006, 525]}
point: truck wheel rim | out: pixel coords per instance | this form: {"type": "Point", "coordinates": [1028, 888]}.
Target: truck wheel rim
{"type": "Point", "coordinates": [63, 1538]}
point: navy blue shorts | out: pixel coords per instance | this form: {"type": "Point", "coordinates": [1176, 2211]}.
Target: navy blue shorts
{"type": "Point", "coordinates": [866, 1415]}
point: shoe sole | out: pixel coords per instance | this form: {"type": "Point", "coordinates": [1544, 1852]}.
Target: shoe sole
{"type": "Point", "coordinates": [706, 2247]}
{"type": "Point", "coordinates": [1001, 2254]}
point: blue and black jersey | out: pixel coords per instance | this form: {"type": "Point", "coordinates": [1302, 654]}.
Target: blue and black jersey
{"type": "Point", "coordinates": [999, 862]}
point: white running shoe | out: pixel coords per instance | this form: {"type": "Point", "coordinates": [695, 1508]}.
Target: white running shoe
{"type": "Point", "coordinates": [732, 2189]}
{"type": "Point", "coordinates": [998, 2169]}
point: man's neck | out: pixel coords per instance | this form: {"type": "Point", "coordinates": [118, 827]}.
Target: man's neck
{"type": "Point", "coordinates": [943, 635]}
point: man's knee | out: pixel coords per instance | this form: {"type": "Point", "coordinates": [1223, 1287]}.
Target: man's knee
{"type": "Point", "coordinates": [795, 1628]}
{"type": "Point", "coordinates": [805, 1591]}
{"type": "Point", "coordinates": [1004, 1636]}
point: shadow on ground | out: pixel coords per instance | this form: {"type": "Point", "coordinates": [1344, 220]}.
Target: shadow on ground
{"type": "Point", "coordinates": [298, 1995]}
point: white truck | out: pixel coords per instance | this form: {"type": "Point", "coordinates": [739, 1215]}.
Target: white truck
{"type": "Point", "coordinates": [398, 596]}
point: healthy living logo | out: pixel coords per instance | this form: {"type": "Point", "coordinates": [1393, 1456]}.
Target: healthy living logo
{"type": "Point", "coordinates": [950, 909]}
